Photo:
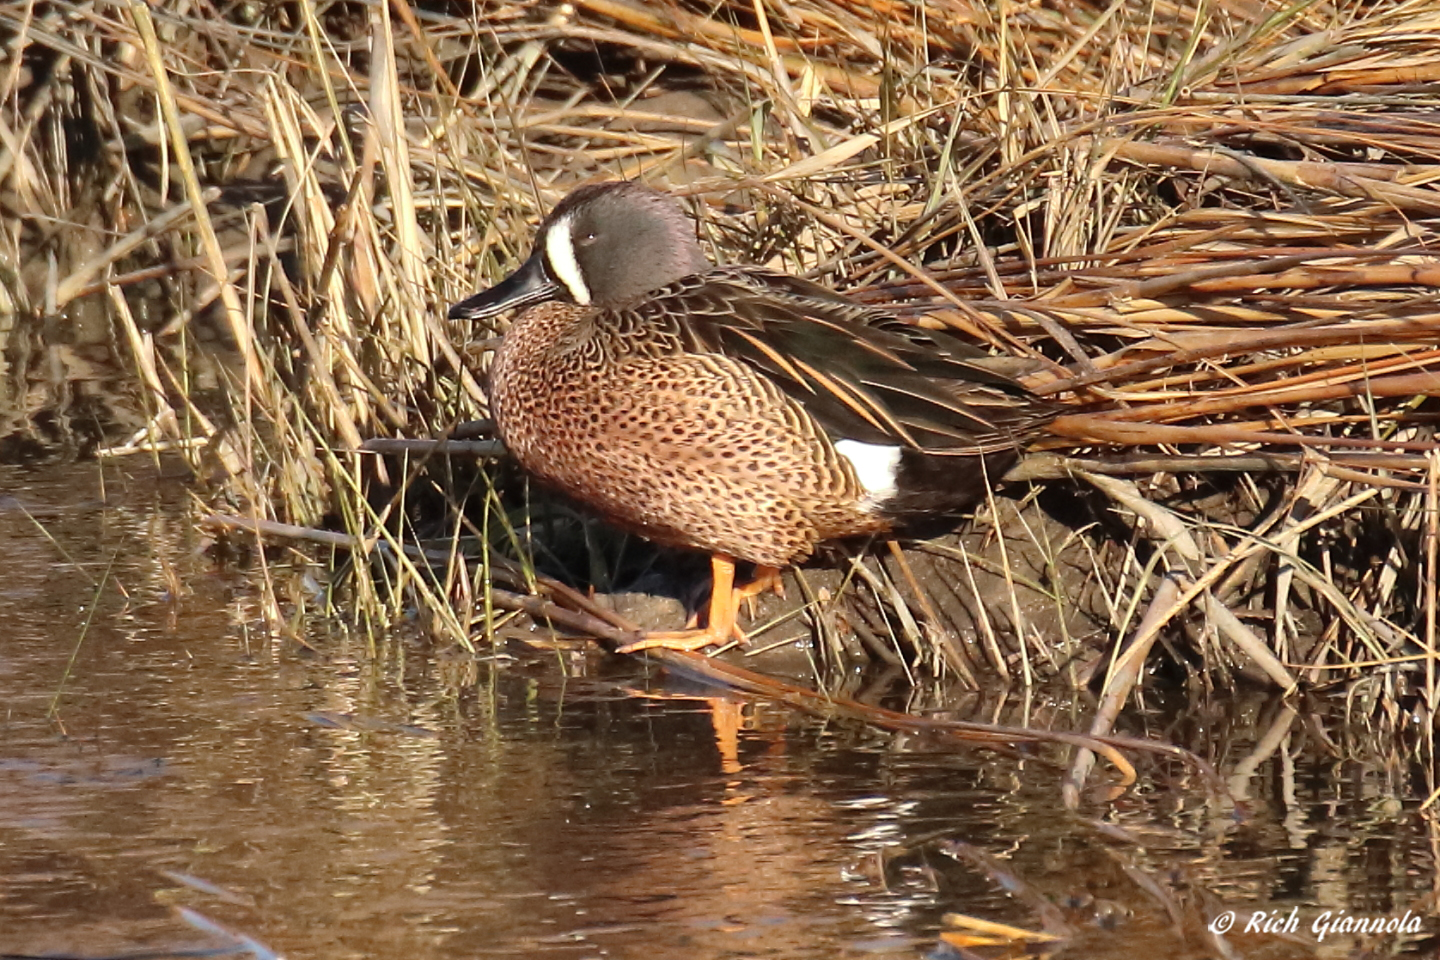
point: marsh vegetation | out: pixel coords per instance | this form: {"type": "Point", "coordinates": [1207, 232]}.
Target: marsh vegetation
{"type": "Point", "coordinates": [230, 234]}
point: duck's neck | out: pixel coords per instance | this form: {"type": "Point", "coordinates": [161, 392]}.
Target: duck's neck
{"type": "Point", "coordinates": [528, 367]}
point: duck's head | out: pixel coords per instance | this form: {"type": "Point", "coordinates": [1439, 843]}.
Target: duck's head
{"type": "Point", "coordinates": [605, 243]}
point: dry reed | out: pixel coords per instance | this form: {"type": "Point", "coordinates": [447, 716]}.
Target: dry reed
{"type": "Point", "coordinates": [1210, 228]}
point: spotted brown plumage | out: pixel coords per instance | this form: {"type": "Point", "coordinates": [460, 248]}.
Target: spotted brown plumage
{"type": "Point", "coordinates": [736, 410]}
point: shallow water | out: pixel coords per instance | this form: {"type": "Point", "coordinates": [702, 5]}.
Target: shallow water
{"type": "Point", "coordinates": [161, 750]}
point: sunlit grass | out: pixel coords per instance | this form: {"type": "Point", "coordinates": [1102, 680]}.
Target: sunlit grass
{"type": "Point", "coordinates": [1209, 234]}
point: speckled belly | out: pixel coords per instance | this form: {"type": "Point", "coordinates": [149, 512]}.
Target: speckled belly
{"type": "Point", "coordinates": [692, 451]}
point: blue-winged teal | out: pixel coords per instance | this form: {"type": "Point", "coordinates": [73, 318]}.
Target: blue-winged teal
{"type": "Point", "coordinates": [736, 410]}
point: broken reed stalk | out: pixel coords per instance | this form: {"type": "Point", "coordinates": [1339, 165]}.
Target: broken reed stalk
{"type": "Point", "coordinates": [614, 632]}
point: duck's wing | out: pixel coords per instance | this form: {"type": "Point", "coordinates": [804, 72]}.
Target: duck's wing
{"type": "Point", "coordinates": [879, 384]}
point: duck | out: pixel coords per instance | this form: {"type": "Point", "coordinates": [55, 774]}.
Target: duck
{"type": "Point", "coordinates": [736, 410]}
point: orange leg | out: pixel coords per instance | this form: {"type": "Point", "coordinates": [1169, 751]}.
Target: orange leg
{"type": "Point", "coordinates": [720, 627]}
{"type": "Point", "coordinates": [766, 578]}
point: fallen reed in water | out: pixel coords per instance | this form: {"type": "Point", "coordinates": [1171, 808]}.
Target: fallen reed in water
{"type": "Point", "coordinates": [1208, 231]}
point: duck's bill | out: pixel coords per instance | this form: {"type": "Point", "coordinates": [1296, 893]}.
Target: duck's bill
{"type": "Point", "coordinates": [530, 284]}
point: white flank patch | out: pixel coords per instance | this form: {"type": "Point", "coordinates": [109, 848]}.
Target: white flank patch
{"type": "Point", "coordinates": [875, 464]}
{"type": "Point", "coordinates": [560, 254]}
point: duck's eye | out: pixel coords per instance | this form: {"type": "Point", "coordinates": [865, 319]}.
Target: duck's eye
{"type": "Point", "coordinates": [587, 238]}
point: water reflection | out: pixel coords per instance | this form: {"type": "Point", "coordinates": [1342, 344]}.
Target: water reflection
{"type": "Point", "coordinates": [349, 803]}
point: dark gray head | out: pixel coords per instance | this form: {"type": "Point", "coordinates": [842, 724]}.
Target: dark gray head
{"type": "Point", "coordinates": [605, 243]}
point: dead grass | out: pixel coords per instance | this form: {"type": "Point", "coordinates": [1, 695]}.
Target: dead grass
{"type": "Point", "coordinates": [1211, 227]}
